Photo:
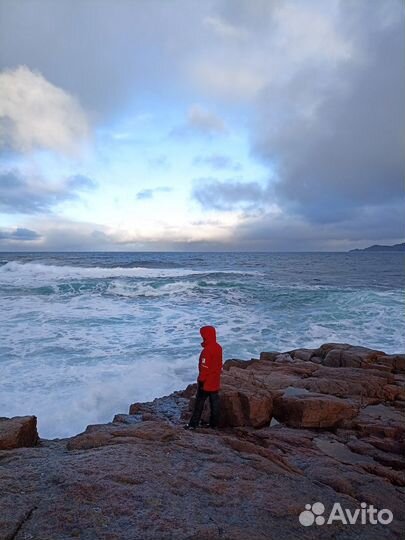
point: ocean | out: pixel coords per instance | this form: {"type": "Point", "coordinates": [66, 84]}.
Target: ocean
{"type": "Point", "coordinates": [83, 335]}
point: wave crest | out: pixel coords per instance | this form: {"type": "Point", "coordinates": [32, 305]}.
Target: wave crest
{"type": "Point", "coordinates": [32, 274]}
{"type": "Point", "coordinates": [123, 289]}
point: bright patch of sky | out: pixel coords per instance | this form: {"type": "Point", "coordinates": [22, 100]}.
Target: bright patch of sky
{"type": "Point", "coordinates": [158, 152]}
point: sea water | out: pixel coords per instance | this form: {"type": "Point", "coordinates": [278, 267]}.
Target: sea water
{"type": "Point", "coordinates": [83, 335]}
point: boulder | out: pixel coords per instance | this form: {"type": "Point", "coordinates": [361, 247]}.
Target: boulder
{"type": "Point", "coordinates": [309, 410]}
{"type": "Point", "coordinates": [18, 431]}
{"type": "Point", "coordinates": [302, 354]}
{"type": "Point", "coordinates": [394, 362]}
{"type": "Point", "coordinates": [284, 357]}
{"type": "Point", "coordinates": [240, 405]}
{"type": "Point", "coordinates": [345, 355]}
{"type": "Point", "coordinates": [242, 364]}
{"type": "Point", "coordinates": [379, 420]}
{"type": "Point", "coordinates": [170, 407]}
{"type": "Point", "coordinates": [269, 356]}
{"type": "Point", "coordinates": [335, 358]}
{"type": "Point", "coordinates": [351, 383]}
{"type": "Point", "coordinates": [245, 408]}
{"type": "Point", "coordinates": [326, 347]}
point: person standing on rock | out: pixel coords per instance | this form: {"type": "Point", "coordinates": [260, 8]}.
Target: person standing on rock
{"type": "Point", "coordinates": [209, 378]}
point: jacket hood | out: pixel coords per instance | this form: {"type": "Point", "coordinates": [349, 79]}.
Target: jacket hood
{"type": "Point", "coordinates": [209, 334]}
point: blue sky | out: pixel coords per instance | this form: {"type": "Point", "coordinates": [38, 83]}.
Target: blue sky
{"type": "Point", "coordinates": [184, 125]}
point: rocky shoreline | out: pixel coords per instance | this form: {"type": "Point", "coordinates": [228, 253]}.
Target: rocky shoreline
{"type": "Point", "coordinates": [310, 425]}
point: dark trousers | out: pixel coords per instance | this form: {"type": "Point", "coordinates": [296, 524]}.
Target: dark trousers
{"type": "Point", "coordinates": [202, 395]}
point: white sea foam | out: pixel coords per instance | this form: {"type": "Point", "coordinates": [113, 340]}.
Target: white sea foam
{"type": "Point", "coordinates": [75, 396]}
{"type": "Point", "coordinates": [34, 274]}
{"type": "Point", "coordinates": [128, 290]}
{"type": "Point", "coordinates": [106, 337]}
{"type": "Point", "coordinates": [45, 272]}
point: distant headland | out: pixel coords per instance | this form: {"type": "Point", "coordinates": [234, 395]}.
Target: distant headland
{"type": "Point", "coordinates": [376, 247]}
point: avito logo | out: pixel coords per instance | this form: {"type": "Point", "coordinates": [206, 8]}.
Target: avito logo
{"type": "Point", "coordinates": [313, 513]}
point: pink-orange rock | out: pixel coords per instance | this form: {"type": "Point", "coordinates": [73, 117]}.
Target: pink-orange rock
{"type": "Point", "coordinates": [242, 364]}
{"type": "Point", "coordinates": [379, 420]}
{"type": "Point", "coordinates": [396, 362]}
{"type": "Point", "coordinates": [312, 410]}
{"type": "Point", "coordinates": [105, 434]}
{"type": "Point", "coordinates": [345, 355]}
{"type": "Point", "coordinates": [245, 408]}
{"type": "Point", "coordinates": [243, 402]}
{"type": "Point", "coordinates": [350, 383]}
{"type": "Point", "coordinates": [351, 357]}
{"type": "Point", "coordinates": [18, 431]}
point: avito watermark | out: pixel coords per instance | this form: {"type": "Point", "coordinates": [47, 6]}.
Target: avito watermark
{"type": "Point", "coordinates": [314, 514]}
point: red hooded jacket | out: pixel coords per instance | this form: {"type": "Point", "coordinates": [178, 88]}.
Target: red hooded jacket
{"type": "Point", "coordinates": [210, 361]}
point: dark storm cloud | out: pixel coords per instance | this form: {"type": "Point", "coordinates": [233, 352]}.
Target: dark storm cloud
{"type": "Point", "coordinates": [23, 195]}
{"type": "Point", "coordinates": [384, 224]}
{"type": "Point", "coordinates": [217, 162]}
{"type": "Point", "coordinates": [149, 193]}
{"type": "Point", "coordinates": [212, 194]}
{"type": "Point", "coordinates": [19, 234]}
{"type": "Point", "coordinates": [349, 153]}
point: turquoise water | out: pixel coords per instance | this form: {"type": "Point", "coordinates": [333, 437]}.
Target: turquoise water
{"type": "Point", "coordinates": [83, 335]}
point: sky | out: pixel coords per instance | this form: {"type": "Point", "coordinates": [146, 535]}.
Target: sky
{"type": "Point", "coordinates": [182, 125]}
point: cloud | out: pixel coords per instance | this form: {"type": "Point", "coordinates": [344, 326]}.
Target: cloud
{"type": "Point", "coordinates": [217, 162]}
{"type": "Point", "coordinates": [147, 43]}
{"type": "Point", "coordinates": [58, 234]}
{"type": "Point", "coordinates": [36, 114]}
{"type": "Point", "coordinates": [200, 121]}
{"type": "Point", "coordinates": [327, 93]}
{"type": "Point", "coordinates": [271, 42]}
{"type": "Point", "coordinates": [285, 232]}
{"type": "Point", "coordinates": [348, 152]}
{"type": "Point", "coordinates": [20, 234]}
{"type": "Point", "coordinates": [65, 235]}
{"type": "Point", "coordinates": [225, 29]}
{"type": "Point", "coordinates": [21, 194]}
{"type": "Point", "coordinates": [234, 82]}
{"type": "Point", "coordinates": [80, 182]}
{"type": "Point", "coordinates": [204, 121]}
{"type": "Point", "coordinates": [212, 194]}
{"type": "Point", "coordinates": [53, 233]}
{"type": "Point", "coordinates": [149, 193]}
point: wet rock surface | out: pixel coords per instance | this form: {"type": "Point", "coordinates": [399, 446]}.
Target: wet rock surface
{"type": "Point", "coordinates": [298, 427]}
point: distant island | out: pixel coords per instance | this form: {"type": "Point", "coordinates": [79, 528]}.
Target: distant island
{"type": "Point", "coordinates": [376, 247]}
